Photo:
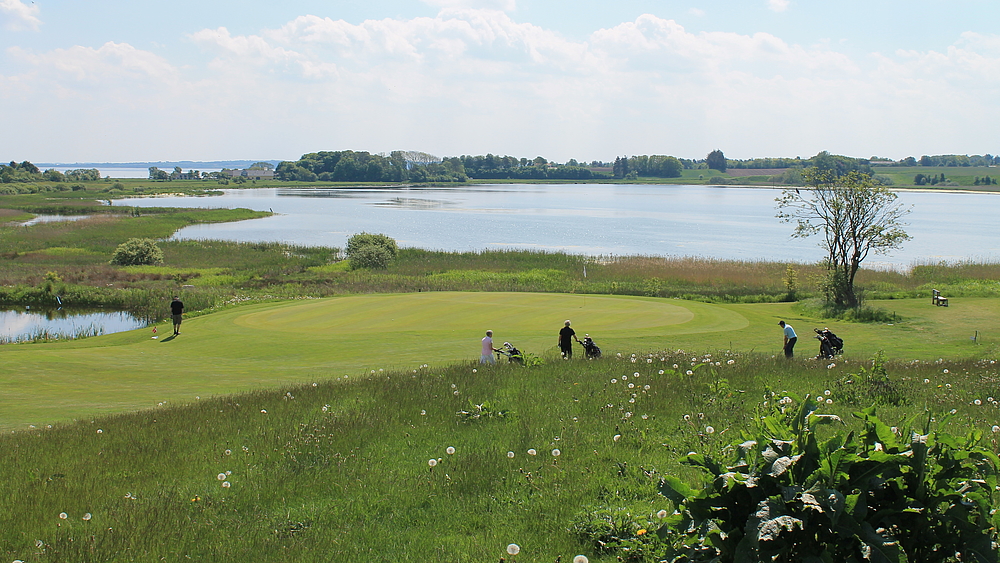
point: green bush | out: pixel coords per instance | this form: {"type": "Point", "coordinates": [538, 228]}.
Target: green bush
{"type": "Point", "coordinates": [886, 494]}
{"type": "Point", "coordinates": [371, 257]}
{"type": "Point", "coordinates": [360, 240]}
{"type": "Point", "coordinates": [137, 252]}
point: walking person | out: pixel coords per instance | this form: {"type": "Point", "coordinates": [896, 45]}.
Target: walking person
{"type": "Point", "coordinates": [177, 314]}
{"type": "Point", "coordinates": [790, 338]}
{"type": "Point", "coordinates": [487, 355]}
{"type": "Point", "coordinates": [566, 337]}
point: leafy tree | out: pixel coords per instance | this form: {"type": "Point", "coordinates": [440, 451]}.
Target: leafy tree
{"type": "Point", "coordinates": [137, 252]}
{"type": "Point", "coordinates": [855, 216]}
{"type": "Point", "coordinates": [716, 160]}
{"type": "Point", "coordinates": [53, 175]}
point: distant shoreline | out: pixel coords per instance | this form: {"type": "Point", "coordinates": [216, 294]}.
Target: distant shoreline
{"type": "Point", "coordinates": [190, 164]}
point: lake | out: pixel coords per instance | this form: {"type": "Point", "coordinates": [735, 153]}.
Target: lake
{"type": "Point", "coordinates": [26, 323]}
{"type": "Point", "coordinates": [591, 219]}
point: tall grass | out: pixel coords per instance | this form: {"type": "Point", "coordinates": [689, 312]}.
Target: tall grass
{"type": "Point", "coordinates": [338, 471]}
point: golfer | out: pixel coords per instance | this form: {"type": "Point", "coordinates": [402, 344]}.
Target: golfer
{"type": "Point", "coordinates": [566, 337]}
{"type": "Point", "coordinates": [487, 355]}
{"type": "Point", "coordinates": [177, 314]}
{"type": "Point", "coordinates": [790, 338]}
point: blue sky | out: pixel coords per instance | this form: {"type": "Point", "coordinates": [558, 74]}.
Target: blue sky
{"type": "Point", "coordinates": [115, 80]}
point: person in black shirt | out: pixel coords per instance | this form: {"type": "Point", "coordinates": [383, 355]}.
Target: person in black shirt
{"type": "Point", "coordinates": [176, 313]}
{"type": "Point", "coordinates": [566, 338]}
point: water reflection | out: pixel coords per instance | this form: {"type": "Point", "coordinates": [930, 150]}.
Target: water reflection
{"type": "Point", "coordinates": [53, 219]}
{"type": "Point", "coordinates": [28, 323]}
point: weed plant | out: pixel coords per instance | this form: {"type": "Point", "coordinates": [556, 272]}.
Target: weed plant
{"type": "Point", "coordinates": [359, 466]}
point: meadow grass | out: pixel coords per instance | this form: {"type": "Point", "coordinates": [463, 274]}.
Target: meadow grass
{"type": "Point", "coordinates": [337, 469]}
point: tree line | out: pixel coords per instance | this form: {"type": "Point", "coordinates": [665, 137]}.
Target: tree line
{"type": "Point", "coordinates": [28, 172]}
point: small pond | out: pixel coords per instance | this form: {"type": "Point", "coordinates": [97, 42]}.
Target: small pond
{"type": "Point", "coordinates": [52, 219]}
{"type": "Point", "coordinates": [19, 324]}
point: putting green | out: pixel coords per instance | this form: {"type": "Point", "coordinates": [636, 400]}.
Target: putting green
{"type": "Point", "coordinates": [307, 340]}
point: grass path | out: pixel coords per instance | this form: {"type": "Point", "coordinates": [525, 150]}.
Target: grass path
{"type": "Point", "coordinates": [301, 341]}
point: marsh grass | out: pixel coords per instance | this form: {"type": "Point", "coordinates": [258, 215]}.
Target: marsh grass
{"type": "Point", "coordinates": [338, 471]}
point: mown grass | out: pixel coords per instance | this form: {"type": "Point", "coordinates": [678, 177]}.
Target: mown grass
{"type": "Point", "coordinates": [338, 471]}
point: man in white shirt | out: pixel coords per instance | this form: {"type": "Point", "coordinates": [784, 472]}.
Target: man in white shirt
{"type": "Point", "coordinates": [790, 338]}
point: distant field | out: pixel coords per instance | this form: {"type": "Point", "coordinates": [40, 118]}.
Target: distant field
{"type": "Point", "coordinates": [962, 177]}
{"type": "Point", "coordinates": [300, 341]}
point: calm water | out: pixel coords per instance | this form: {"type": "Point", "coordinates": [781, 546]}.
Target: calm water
{"type": "Point", "coordinates": [592, 219]}
{"type": "Point", "coordinates": [67, 323]}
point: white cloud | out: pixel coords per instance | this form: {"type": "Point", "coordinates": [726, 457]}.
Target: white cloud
{"type": "Point", "coordinates": [778, 5]}
{"type": "Point", "coordinates": [697, 12]}
{"type": "Point", "coordinates": [16, 15]}
{"type": "Point", "coordinates": [476, 81]}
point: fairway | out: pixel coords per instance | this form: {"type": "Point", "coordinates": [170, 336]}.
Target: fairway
{"type": "Point", "coordinates": [302, 341]}
{"type": "Point", "coordinates": [308, 340]}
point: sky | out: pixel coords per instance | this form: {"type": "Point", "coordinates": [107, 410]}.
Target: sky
{"type": "Point", "coordinates": [161, 80]}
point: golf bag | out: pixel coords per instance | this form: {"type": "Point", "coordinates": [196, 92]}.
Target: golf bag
{"type": "Point", "coordinates": [590, 350]}
{"type": "Point", "coordinates": [513, 354]}
{"type": "Point", "coordinates": [829, 344]}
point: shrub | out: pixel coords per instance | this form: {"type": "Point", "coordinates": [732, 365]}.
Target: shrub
{"type": "Point", "coordinates": [137, 252]}
{"type": "Point", "coordinates": [363, 239]}
{"type": "Point", "coordinates": [370, 256]}
{"type": "Point", "coordinates": [882, 495]}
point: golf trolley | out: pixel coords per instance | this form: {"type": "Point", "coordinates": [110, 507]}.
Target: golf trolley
{"type": "Point", "coordinates": [829, 344]}
{"type": "Point", "coordinates": [590, 350]}
{"type": "Point", "coordinates": [513, 354]}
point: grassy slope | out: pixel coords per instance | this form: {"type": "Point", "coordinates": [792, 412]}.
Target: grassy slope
{"type": "Point", "coordinates": [302, 341]}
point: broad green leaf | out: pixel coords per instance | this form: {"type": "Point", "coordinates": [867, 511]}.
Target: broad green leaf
{"type": "Point", "coordinates": [675, 489]}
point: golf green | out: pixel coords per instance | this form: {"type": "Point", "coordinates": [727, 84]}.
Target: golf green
{"type": "Point", "coordinates": [307, 340]}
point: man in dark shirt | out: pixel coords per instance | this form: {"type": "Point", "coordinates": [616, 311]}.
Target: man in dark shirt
{"type": "Point", "coordinates": [566, 338]}
{"type": "Point", "coordinates": [176, 313]}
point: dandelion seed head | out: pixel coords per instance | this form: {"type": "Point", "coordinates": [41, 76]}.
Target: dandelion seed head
{"type": "Point", "coordinates": [86, 516]}
{"type": "Point", "coordinates": [977, 402]}
{"type": "Point", "coordinates": [532, 451]}
{"type": "Point", "coordinates": [617, 437]}
{"type": "Point", "coordinates": [513, 549]}
{"type": "Point", "coordinates": [689, 372]}
{"type": "Point", "coordinates": [221, 476]}
{"type": "Point", "coordinates": [450, 450]}
{"type": "Point", "coordinates": [661, 372]}
{"type": "Point", "coordinates": [226, 484]}
{"type": "Point", "coordinates": [510, 455]}
{"type": "Point", "coordinates": [661, 514]}
{"type": "Point", "coordinates": [99, 431]}
{"type": "Point", "coordinates": [556, 452]}
{"type": "Point", "coordinates": [996, 428]}
{"type": "Point", "coordinates": [581, 559]}
{"type": "Point", "coordinates": [63, 516]}
{"type": "Point", "coordinates": [709, 430]}
{"type": "Point", "coordinates": [432, 462]}
{"type": "Point", "coordinates": [731, 362]}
